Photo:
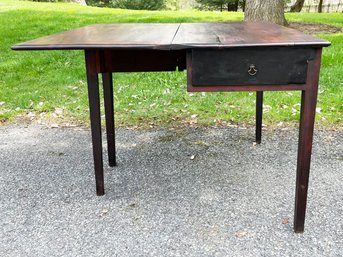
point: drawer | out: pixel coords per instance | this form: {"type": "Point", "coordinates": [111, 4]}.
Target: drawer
{"type": "Point", "coordinates": [248, 66]}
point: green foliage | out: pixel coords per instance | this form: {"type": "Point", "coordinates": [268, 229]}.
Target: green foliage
{"type": "Point", "coordinates": [138, 4]}
{"type": "Point", "coordinates": [99, 3]}
{"type": "Point", "coordinates": [34, 84]}
{"type": "Point", "coordinates": [130, 4]}
{"type": "Point", "coordinates": [172, 5]}
{"type": "Point", "coordinates": [230, 5]}
{"type": "Point", "coordinates": [52, 1]}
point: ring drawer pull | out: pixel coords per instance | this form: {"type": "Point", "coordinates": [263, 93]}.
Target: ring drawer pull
{"type": "Point", "coordinates": [252, 70]}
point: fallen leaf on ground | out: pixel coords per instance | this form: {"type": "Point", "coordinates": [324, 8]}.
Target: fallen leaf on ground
{"type": "Point", "coordinates": [241, 234]}
{"type": "Point", "coordinates": [103, 212]}
{"type": "Point", "coordinates": [58, 111]}
{"type": "Point", "coordinates": [285, 221]}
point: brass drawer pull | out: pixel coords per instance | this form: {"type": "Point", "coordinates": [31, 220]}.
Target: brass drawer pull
{"type": "Point", "coordinates": [252, 70]}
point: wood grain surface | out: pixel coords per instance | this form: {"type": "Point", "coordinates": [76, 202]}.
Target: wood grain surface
{"type": "Point", "coordinates": [173, 36]}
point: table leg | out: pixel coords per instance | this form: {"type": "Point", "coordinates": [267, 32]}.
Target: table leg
{"type": "Point", "coordinates": [109, 113]}
{"type": "Point", "coordinates": [307, 116]}
{"type": "Point", "coordinates": [259, 112]}
{"type": "Point", "coordinates": [94, 110]}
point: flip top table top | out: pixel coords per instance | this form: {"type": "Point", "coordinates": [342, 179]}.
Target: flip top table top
{"type": "Point", "coordinates": [173, 36]}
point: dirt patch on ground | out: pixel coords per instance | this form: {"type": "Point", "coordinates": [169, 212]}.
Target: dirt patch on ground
{"type": "Point", "coordinates": [314, 28]}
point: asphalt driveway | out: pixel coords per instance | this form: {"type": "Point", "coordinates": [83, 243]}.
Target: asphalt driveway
{"type": "Point", "coordinates": [184, 192]}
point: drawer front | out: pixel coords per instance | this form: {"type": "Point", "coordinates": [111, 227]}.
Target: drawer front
{"type": "Point", "coordinates": [249, 66]}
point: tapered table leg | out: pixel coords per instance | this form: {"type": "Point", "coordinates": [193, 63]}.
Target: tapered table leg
{"type": "Point", "coordinates": [307, 115]}
{"type": "Point", "coordinates": [109, 113]}
{"type": "Point", "coordinates": [259, 112]}
{"type": "Point", "coordinates": [94, 110]}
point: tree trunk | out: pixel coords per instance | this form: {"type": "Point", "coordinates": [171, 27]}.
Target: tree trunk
{"type": "Point", "coordinates": [297, 6]}
{"type": "Point", "coordinates": [81, 2]}
{"type": "Point", "coordinates": [233, 6]}
{"type": "Point", "coordinates": [243, 5]}
{"type": "Point", "coordinates": [320, 6]}
{"type": "Point", "coordinates": [266, 10]}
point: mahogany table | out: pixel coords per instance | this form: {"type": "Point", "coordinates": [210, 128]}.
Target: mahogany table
{"type": "Point", "coordinates": [230, 56]}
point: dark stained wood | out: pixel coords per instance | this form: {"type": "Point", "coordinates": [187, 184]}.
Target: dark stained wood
{"type": "Point", "coordinates": [109, 115]}
{"type": "Point", "coordinates": [243, 88]}
{"type": "Point", "coordinates": [307, 115]}
{"type": "Point", "coordinates": [219, 57]}
{"type": "Point", "coordinates": [173, 36]}
{"type": "Point", "coordinates": [94, 111]}
{"type": "Point", "coordinates": [114, 36]}
{"type": "Point", "coordinates": [250, 66]}
{"type": "Point", "coordinates": [240, 34]}
{"type": "Point", "coordinates": [235, 88]}
{"type": "Point", "coordinates": [145, 60]}
{"type": "Point", "coordinates": [259, 113]}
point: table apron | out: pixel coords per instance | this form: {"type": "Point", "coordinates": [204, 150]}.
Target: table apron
{"type": "Point", "coordinates": [109, 60]}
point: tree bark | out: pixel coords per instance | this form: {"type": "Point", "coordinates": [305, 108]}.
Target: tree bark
{"type": "Point", "coordinates": [266, 10]}
{"type": "Point", "coordinates": [297, 6]}
{"type": "Point", "coordinates": [320, 6]}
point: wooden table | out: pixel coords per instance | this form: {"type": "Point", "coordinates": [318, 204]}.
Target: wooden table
{"type": "Point", "coordinates": [231, 56]}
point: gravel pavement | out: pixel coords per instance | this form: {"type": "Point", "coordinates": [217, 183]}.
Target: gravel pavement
{"type": "Point", "coordinates": [184, 192]}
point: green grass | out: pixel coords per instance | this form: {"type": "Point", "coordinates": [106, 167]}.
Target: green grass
{"type": "Point", "coordinates": [36, 83]}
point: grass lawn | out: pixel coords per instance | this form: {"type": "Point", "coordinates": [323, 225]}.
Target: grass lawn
{"type": "Point", "coordinates": [51, 84]}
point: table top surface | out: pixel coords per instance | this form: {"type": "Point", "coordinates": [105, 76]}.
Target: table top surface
{"type": "Point", "coordinates": [173, 36]}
